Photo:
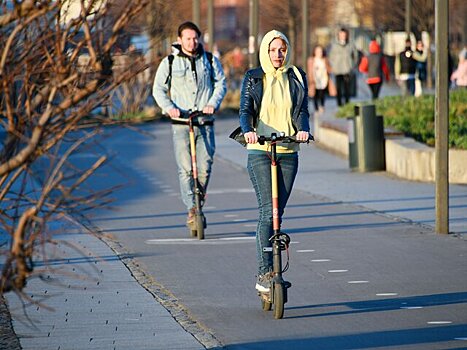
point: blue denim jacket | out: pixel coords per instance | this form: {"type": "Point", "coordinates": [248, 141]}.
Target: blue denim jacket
{"type": "Point", "coordinates": [187, 90]}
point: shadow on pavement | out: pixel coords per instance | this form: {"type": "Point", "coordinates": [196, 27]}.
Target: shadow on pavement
{"type": "Point", "coordinates": [426, 338]}
{"type": "Point", "coordinates": [385, 304]}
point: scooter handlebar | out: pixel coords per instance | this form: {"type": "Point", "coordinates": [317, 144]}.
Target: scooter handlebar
{"type": "Point", "coordinates": [282, 138]}
{"type": "Point", "coordinates": [185, 117]}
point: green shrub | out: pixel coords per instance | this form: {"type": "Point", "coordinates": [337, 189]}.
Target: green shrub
{"type": "Point", "coordinates": [414, 116]}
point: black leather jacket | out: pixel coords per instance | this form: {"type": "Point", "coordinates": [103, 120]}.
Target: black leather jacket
{"type": "Point", "coordinates": [252, 94]}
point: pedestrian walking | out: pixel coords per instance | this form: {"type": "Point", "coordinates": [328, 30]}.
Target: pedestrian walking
{"type": "Point", "coordinates": [319, 81]}
{"type": "Point", "coordinates": [459, 76]}
{"type": "Point", "coordinates": [421, 57]}
{"type": "Point", "coordinates": [374, 65]}
{"type": "Point", "coordinates": [273, 100]}
{"type": "Point", "coordinates": [343, 58]}
{"type": "Point", "coordinates": [405, 68]}
{"type": "Point", "coordinates": [190, 79]}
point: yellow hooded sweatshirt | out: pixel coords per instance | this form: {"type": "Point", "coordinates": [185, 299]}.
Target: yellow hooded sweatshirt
{"type": "Point", "coordinates": [275, 114]}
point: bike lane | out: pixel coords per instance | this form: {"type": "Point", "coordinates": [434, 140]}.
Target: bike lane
{"type": "Point", "coordinates": [359, 277]}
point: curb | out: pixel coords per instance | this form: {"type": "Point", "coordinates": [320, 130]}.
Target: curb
{"type": "Point", "coordinates": [161, 295]}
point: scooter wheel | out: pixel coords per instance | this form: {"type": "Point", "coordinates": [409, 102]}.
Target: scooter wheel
{"type": "Point", "coordinates": [278, 301]}
{"type": "Point", "coordinates": [200, 226]}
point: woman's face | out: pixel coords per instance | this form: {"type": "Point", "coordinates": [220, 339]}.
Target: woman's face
{"type": "Point", "coordinates": [318, 52]}
{"type": "Point", "coordinates": [277, 52]}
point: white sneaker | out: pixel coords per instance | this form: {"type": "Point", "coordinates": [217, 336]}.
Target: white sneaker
{"type": "Point", "coordinates": [263, 283]}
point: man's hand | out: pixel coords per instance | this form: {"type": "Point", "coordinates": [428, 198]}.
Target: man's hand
{"type": "Point", "coordinates": [251, 137]}
{"type": "Point", "coordinates": [174, 113]}
{"type": "Point", "coordinates": [302, 136]}
{"type": "Point", "coordinates": [208, 110]}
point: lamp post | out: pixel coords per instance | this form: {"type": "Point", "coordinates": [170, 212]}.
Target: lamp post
{"type": "Point", "coordinates": [211, 25]}
{"type": "Point", "coordinates": [442, 117]}
{"type": "Point", "coordinates": [305, 33]}
{"type": "Point", "coordinates": [408, 17]}
{"type": "Point", "coordinates": [253, 35]}
{"type": "Point", "coordinates": [196, 12]}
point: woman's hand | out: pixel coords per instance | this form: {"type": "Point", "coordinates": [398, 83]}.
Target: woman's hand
{"type": "Point", "coordinates": [302, 136]}
{"type": "Point", "coordinates": [250, 137]}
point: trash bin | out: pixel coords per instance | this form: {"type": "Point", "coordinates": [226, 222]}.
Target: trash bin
{"type": "Point", "coordinates": [366, 140]}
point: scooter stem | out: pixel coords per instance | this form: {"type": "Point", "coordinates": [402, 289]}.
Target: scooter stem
{"type": "Point", "coordinates": [193, 152]}
{"type": "Point", "coordinates": [274, 190]}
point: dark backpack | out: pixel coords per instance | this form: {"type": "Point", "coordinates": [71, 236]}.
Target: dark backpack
{"type": "Point", "coordinates": [171, 60]}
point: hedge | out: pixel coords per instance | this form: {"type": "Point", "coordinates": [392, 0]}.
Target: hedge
{"type": "Point", "coordinates": [414, 116]}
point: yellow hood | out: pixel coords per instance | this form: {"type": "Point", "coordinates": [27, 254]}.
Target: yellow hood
{"type": "Point", "coordinates": [264, 59]}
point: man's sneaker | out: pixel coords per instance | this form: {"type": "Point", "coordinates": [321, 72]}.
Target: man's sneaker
{"type": "Point", "coordinates": [263, 282]}
{"type": "Point", "coordinates": [190, 219]}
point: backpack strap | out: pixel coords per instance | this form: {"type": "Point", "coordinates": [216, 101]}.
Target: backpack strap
{"type": "Point", "coordinates": [169, 76]}
{"type": "Point", "coordinates": [210, 58]}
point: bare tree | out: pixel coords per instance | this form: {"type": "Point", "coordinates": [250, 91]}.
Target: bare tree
{"type": "Point", "coordinates": [55, 69]}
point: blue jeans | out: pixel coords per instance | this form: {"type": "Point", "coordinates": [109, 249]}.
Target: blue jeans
{"type": "Point", "coordinates": [259, 169]}
{"type": "Point", "coordinates": [205, 149]}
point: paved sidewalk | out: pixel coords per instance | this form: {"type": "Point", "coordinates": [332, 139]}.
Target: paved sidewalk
{"type": "Point", "coordinates": [87, 298]}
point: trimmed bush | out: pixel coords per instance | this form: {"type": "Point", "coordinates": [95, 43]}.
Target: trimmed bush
{"type": "Point", "coordinates": [414, 116]}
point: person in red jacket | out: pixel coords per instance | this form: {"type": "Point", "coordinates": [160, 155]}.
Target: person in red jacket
{"type": "Point", "coordinates": [374, 65]}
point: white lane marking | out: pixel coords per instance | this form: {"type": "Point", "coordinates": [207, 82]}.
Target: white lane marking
{"type": "Point", "coordinates": [230, 215]}
{"type": "Point", "coordinates": [232, 190]}
{"type": "Point", "coordinates": [239, 220]}
{"type": "Point", "coordinates": [337, 271]}
{"type": "Point", "coordinates": [357, 282]}
{"type": "Point", "coordinates": [461, 338]}
{"type": "Point", "coordinates": [386, 294]}
{"type": "Point", "coordinates": [295, 242]}
{"type": "Point", "coordinates": [439, 322]}
{"type": "Point", "coordinates": [305, 250]}
{"type": "Point", "coordinates": [250, 225]}
{"type": "Point", "coordinates": [411, 307]}
{"type": "Point", "coordinates": [320, 260]}
{"type": "Point", "coordinates": [197, 241]}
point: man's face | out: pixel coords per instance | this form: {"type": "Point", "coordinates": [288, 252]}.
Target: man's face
{"type": "Point", "coordinates": [342, 36]}
{"type": "Point", "coordinates": [189, 41]}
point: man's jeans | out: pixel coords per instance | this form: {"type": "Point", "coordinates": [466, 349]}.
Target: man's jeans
{"type": "Point", "coordinates": [205, 149]}
{"type": "Point", "coordinates": [259, 169]}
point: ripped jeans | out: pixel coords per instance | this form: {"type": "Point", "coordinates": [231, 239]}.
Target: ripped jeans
{"type": "Point", "coordinates": [259, 169]}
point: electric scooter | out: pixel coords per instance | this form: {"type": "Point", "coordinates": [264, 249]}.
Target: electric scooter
{"type": "Point", "coordinates": [277, 294]}
{"type": "Point", "coordinates": [198, 226]}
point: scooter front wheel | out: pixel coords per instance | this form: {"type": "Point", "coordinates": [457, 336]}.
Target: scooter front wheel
{"type": "Point", "coordinates": [278, 301]}
{"type": "Point", "coordinates": [199, 220]}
